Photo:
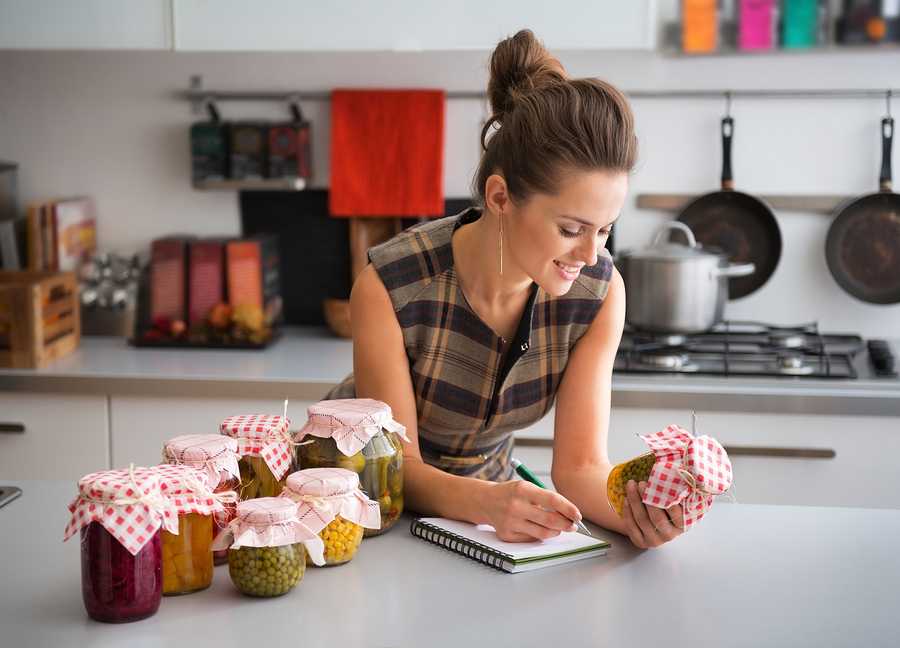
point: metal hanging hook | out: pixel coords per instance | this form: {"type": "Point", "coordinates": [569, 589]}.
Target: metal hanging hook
{"type": "Point", "coordinates": [887, 101]}
{"type": "Point", "coordinates": [728, 103]}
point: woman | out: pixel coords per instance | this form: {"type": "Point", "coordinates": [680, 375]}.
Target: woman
{"type": "Point", "coordinates": [470, 326]}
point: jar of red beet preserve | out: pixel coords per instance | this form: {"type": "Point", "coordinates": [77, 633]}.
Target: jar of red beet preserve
{"type": "Point", "coordinates": [119, 514]}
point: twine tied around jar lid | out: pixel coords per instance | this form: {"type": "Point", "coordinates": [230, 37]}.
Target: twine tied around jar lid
{"type": "Point", "coordinates": [216, 454]}
{"type": "Point", "coordinates": [128, 503]}
{"type": "Point", "coordinates": [688, 470]}
{"type": "Point", "coordinates": [322, 494]}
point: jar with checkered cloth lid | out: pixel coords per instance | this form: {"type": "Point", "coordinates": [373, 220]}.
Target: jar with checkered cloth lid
{"type": "Point", "coordinates": [679, 469]}
{"type": "Point", "coordinates": [216, 455]}
{"type": "Point", "coordinates": [267, 546]}
{"type": "Point", "coordinates": [361, 435]}
{"type": "Point", "coordinates": [120, 514]}
{"type": "Point", "coordinates": [266, 452]}
{"type": "Point", "coordinates": [330, 502]}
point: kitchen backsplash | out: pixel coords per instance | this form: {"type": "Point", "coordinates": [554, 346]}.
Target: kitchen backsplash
{"type": "Point", "coordinates": [124, 141]}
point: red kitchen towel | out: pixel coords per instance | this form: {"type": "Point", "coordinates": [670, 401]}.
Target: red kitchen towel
{"type": "Point", "coordinates": [387, 153]}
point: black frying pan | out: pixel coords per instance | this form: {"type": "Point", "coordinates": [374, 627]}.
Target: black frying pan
{"type": "Point", "coordinates": [737, 223]}
{"type": "Point", "coordinates": [863, 243]}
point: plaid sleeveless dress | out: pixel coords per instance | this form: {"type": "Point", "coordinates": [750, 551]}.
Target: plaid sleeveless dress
{"type": "Point", "coordinates": [472, 388]}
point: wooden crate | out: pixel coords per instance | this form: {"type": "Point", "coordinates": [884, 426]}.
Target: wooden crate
{"type": "Point", "coordinates": [40, 317]}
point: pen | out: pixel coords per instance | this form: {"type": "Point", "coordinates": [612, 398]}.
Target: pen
{"type": "Point", "coordinates": [529, 476]}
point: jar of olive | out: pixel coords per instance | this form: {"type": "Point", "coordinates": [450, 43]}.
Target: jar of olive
{"type": "Point", "coordinates": [330, 502]}
{"type": "Point", "coordinates": [267, 547]}
{"type": "Point", "coordinates": [265, 451]}
{"type": "Point", "coordinates": [120, 514]}
{"type": "Point", "coordinates": [216, 455]}
{"type": "Point", "coordinates": [358, 434]}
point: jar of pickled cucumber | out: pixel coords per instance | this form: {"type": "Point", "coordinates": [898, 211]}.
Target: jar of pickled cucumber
{"type": "Point", "coordinates": [119, 514]}
{"type": "Point", "coordinates": [679, 469]}
{"type": "Point", "coordinates": [267, 547]}
{"type": "Point", "coordinates": [330, 502]}
{"type": "Point", "coordinates": [215, 454]}
{"type": "Point", "coordinates": [187, 559]}
{"type": "Point", "coordinates": [265, 448]}
{"type": "Point", "coordinates": [358, 434]}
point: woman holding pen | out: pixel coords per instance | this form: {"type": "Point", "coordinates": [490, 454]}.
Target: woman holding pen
{"type": "Point", "coordinates": [470, 326]}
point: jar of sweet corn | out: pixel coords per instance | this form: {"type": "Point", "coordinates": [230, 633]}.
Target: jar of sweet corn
{"type": "Point", "coordinates": [267, 547]}
{"type": "Point", "coordinates": [265, 448]}
{"type": "Point", "coordinates": [187, 560]}
{"type": "Point", "coordinates": [216, 455]}
{"type": "Point", "coordinates": [330, 502]}
{"type": "Point", "coordinates": [358, 434]}
{"type": "Point", "coordinates": [679, 469]}
{"type": "Point", "coordinates": [120, 514]}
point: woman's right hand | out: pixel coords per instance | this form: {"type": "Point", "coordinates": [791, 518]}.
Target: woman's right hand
{"type": "Point", "coordinates": [523, 512]}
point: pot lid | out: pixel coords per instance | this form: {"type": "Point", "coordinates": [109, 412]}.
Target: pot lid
{"type": "Point", "coordinates": [663, 249]}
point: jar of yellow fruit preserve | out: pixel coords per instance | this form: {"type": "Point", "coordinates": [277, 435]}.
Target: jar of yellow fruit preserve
{"type": "Point", "coordinates": [330, 502]}
{"type": "Point", "coordinates": [679, 469]}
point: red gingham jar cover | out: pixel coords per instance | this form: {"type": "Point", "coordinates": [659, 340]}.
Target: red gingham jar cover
{"type": "Point", "coordinates": [128, 503]}
{"type": "Point", "coordinates": [351, 422]}
{"type": "Point", "coordinates": [213, 453]}
{"type": "Point", "coordinates": [189, 489]}
{"type": "Point", "coordinates": [689, 471]}
{"type": "Point", "coordinates": [262, 435]}
{"type": "Point", "coordinates": [322, 494]}
{"type": "Point", "coordinates": [269, 522]}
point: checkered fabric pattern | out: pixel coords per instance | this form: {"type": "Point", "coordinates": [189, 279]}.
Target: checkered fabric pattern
{"type": "Point", "coordinates": [689, 471]}
{"type": "Point", "coordinates": [351, 422]}
{"type": "Point", "coordinates": [473, 388]}
{"type": "Point", "coordinates": [262, 435]}
{"type": "Point", "coordinates": [215, 454]}
{"type": "Point", "coordinates": [187, 488]}
{"type": "Point", "coordinates": [128, 503]}
{"type": "Point", "coordinates": [322, 494]}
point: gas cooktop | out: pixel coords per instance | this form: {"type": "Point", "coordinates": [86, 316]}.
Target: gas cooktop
{"type": "Point", "coordinates": [737, 348]}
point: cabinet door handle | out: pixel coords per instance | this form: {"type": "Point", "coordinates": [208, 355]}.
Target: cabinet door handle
{"type": "Point", "coordinates": [534, 443]}
{"type": "Point", "coordinates": [12, 428]}
{"type": "Point", "coordinates": [789, 453]}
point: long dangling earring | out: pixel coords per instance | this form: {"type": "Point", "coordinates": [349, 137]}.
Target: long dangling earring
{"type": "Point", "coordinates": [501, 243]}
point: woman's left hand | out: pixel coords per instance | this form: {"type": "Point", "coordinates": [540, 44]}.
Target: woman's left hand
{"type": "Point", "coordinates": [649, 526]}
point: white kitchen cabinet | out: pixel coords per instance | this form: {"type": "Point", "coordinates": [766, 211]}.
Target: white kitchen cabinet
{"type": "Point", "coordinates": [52, 436]}
{"type": "Point", "coordinates": [409, 25]}
{"type": "Point", "coordinates": [140, 425]}
{"type": "Point", "coordinates": [86, 24]}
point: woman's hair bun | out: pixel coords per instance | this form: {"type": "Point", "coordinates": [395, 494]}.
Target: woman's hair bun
{"type": "Point", "coordinates": [518, 65]}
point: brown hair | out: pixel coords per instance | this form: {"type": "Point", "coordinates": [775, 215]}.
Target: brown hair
{"type": "Point", "coordinates": [549, 123]}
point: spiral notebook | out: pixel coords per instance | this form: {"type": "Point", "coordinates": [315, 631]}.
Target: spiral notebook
{"type": "Point", "coordinates": [480, 543]}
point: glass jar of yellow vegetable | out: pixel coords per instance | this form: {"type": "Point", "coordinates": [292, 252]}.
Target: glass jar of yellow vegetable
{"type": "Point", "coordinates": [266, 454]}
{"type": "Point", "coordinates": [358, 434]}
{"type": "Point", "coordinates": [267, 547]}
{"type": "Point", "coordinates": [187, 559]}
{"type": "Point", "coordinates": [217, 456]}
{"type": "Point", "coordinates": [330, 503]}
{"type": "Point", "coordinates": [680, 469]}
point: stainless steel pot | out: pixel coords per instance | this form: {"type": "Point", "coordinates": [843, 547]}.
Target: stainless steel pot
{"type": "Point", "coordinates": [676, 288]}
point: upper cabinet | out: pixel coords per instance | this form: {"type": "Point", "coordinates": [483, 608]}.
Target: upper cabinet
{"type": "Point", "coordinates": [336, 26]}
{"type": "Point", "coordinates": [409, 25]}
{"type": "Point", "coordinates": [86, 24]}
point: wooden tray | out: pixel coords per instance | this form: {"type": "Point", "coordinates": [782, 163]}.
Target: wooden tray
{"type": "Point", "coordinates": [40, 318]}
{"type": "Point", "coordinates": [176, 344]}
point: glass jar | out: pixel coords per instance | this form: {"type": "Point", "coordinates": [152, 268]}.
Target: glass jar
{"type": "Point", "coordinates": [117, 586]}
{"type": "Point", "coordinates": [187, 559]}
{"type": "Point", "coordinates": [637, 469]}
{"type": "Point", "coordinates": [342, 538]}
{"type": "Point", "coordinates": [264, 446]}
{"type": "Point", "coordinates": [257, 479]}
{"type": "Point", "coordinates": [267, 571]}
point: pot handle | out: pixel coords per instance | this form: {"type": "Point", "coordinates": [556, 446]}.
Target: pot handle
{"type": "Point", "coordinates": [735, 270]}
{"type": "Point", "coordinates": [664, 230]}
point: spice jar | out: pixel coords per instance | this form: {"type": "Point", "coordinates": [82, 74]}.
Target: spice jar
{"type": "Point", "coordinates": [267, 546]}
{"type": "Point", "coordinates": [330, 503]}
{"type": "Point", "coordinates": [679, 469]}
{"type": "Point", "coordinates": [119, 514]}
{"type": "Point", "coordinates": [265, 450]}
{"type": "Point", "coordinates": [358, 434]}
{"type": "Point", "coordinates": [216, 455]}
{"type": "Point", "coordinates": [187, 560]}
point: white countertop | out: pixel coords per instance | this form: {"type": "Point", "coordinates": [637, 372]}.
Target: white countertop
{"type": "Point", "coordinates": [307, 361]}
{"type": "Point", "coordinates": [746, 576]}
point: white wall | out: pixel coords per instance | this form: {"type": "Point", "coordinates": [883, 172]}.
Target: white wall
{"type": "Point", "coordinates": [106, 124]}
